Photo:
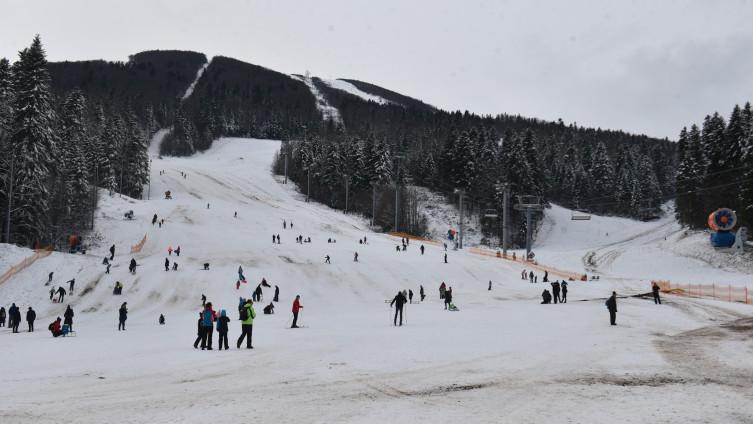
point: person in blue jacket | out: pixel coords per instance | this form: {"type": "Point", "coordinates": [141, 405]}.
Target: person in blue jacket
{"type": "Point", "coordinates": [207, 322]}
{"type": "Point", "coordinates": [222, 328]}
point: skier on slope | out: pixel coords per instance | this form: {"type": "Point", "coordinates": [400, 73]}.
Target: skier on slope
{"type": "Point", "coordinates": [399, 300]}
{"type": "Point", "coordinates": [296, 308]}
{"type": "Point", "coordinates": [167, 264]}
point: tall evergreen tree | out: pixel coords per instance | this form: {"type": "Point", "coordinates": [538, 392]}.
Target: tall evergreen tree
{"type": "Point", "coordinates": [33, 143]}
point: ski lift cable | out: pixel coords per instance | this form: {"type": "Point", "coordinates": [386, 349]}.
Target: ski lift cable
{"type": "Point", "coordinates": [674, 196]}
{"type": "Point", "coordinates": [687, 179]}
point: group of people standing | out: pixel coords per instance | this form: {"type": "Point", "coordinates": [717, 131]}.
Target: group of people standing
{"type": "Point", "coordinates": [14, 317]}
{"type": "Point", "coordinates": [558, 294]}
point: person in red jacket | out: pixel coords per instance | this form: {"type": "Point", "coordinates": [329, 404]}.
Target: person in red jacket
{"type": "Point", "coordinates": [296, 307]}
{"type": "Point", "coordinates": [55, 328]}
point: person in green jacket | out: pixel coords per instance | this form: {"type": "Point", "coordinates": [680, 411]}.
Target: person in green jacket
{"type": "Point", "coordinates": [247, 324]}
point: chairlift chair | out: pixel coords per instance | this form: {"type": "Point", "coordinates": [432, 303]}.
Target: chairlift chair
{"type": "Point", "coordinates": [490, 213]}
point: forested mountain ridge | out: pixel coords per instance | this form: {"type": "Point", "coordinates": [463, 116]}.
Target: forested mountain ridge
{"type": "Point", "coordinates": [104, 113]}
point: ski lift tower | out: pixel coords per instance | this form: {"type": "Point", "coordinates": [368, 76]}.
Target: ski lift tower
{"type": "Point", "coordinates": [461, 194]}
{"type": "Point", "coordinates": [528, 205]}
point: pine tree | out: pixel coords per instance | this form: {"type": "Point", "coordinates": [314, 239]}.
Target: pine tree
{"type": "Point", "coordinates": [6, 100]}
{"type": "Point", "coordinates": [136, 158]}
{"type": "Point", "coordinates": [601, 174]}
{"type": "Point", "coordinates": [108, 160]}
{"type": "Point", "coordinates": [33, 143]}
{"type": "Point", "coordinates": [74, 140]}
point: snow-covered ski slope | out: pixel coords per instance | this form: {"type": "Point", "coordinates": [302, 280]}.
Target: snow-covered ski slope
{"type": "Point", "coordinates": [352, 89]}
{"type": "Point", "coordinates": [502, 358]}
{"type": "Point", "coordinates": [629, 249]}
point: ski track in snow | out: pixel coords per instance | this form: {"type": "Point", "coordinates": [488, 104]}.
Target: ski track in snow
{"type": "Point", "coordinates": [502, 358]}
{"type": "Point", "coordinates": [352, 89]}
{"type": "Point", "coordinates": [192, 86]}
{"type": "Point", "coordinates": [328, 111]}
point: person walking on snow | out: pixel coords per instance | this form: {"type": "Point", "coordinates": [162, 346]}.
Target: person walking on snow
{"type": "Point", "coordinates": [222, 328]}
{"type": "Point", "coordinates": [154, 219]}
{"type": "Point", "coordinates": [167, 264]}
{"type": "Point", "coordinates": [490, 285]}
{"type": "Point", "coordinates": [49, 277]}
{"type": "Point", "coordinates": [448, 297]}
{"type": "Point", "coordinates": [355, 257]}
{"type": "Point", "coordinates": [530, 276]}
{"type": "Point", "coordinates": [421, 292]}
{"type": "Point", "coordinates": [410, 296]}
{"type": "Point", "coordinates": [445, 258]}
{"type": "Point", "coordinates": [112, 252]}
{"type": "Point", "coordinates": [422, 249]}
{"type": "Point", "coordinates": [30, 317]}
{"type": "Point", "coordinates": [15, 317]}
{"type": "Point", "coordinates": [655, 289]}
{"type": "Point", "coordinates": [612, 307]}
{"type": "Point", "coordinates": [564, 291]}
{"type": "Point", "coordinates": [296, 308]}
{"type": "Point", "coordinates": [122, 316]}
{"type": "Point", "coordinates": [61, 294]}
{"type": "Point", "coordinates": [52, 292]}
{"type": "Point", "coordinates": [71, 283]}
{"type": "Point", "coordinates": [442, 290]}
{"type": "Point", "coordinates": [132, 266]}
{"type": "Point", "coordinates": [326, 259]}
{"type": "Point", "coordinates": [198, 332]}
{"type": "Point", "coordinates": [169, 250]}
{"type": "Point", "coordinates": [247, 324]}
{"type": "Point", "coordinates": [399, 300]}
{"type": "Point", "coordinates": [68, 315]}
{"type": "Point", "coordinates": [277, 294]}
{"type": "Point", "coordinates": [546, 276]}
{"type": "Point", "coordinates": [2, 316]}
{"type": "Point", "coordinates": [203, 300]}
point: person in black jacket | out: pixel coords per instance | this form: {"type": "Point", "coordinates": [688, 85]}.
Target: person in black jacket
{"type": "Point", "coordinates": [612, 306]}
{"type": "Point", "coordinates": [398, 301]}
{"type": "Point", "coordinates": [30, 317]}
{"type": "Point", "coordinates": [447, 297]}
{"type": "Point", "coordinates": [198, 333]}
{"type": "Point", "coordinates": [222, 327]}
{"type": "Point", "coordinates": [556, 291]}
{"type": "Point", "coordinates": [2, 316]}
{"type": "Point", "coordinates": [15, 317]}
{"type": "Point", "coordinates": [68, 315]}
{"type": "Point", "coordinates": [277, 294]}
{"type": "Point", "coordinates": [112, 252]}
{"type": "Point", "coordinates": [167, 264]}
{"type": "Point", "coordinates": [546, 297]}
{"type": "Point", "coordinates": [655, 289]}
{"type": "Point", "coordinates": [132, 266]}
{"type": "Point", "coordinates": [122, 316]}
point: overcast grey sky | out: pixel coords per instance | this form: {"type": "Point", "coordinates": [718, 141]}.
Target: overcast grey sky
{"type": "Point", "coordinates": [642, 66]}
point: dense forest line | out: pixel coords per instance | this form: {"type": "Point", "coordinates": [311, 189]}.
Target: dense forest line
{"type": "Point", "coordinates": [57, 146]}
{"type": "Point", "coordinates": [716, 168]}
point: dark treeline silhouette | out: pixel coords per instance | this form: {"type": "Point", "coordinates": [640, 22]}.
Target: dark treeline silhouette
{"type": "Point", "coordinates": [716, 168]}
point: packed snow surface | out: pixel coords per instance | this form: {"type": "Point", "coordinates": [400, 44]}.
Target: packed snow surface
{"type": "Point", "coordinates": [502, 358]}
{"type": "Point", "coordinates": [352, 89]}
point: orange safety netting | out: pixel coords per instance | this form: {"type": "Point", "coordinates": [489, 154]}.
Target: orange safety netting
{"type": "Point", "coordinates": [15, 269]}
{"type": "Point", "coordinates": [727, 293]}
{"type": "Point", "coordinates": [138, 246]}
